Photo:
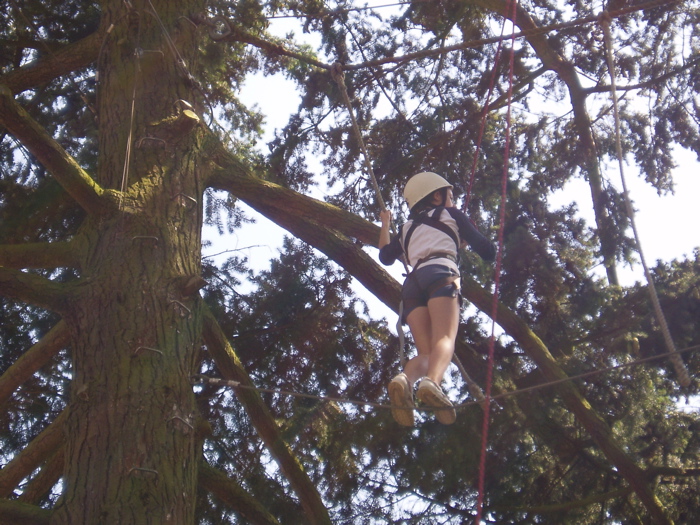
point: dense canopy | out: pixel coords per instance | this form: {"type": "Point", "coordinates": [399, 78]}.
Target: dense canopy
{"type": "Point", "coordinates": [124, 135]}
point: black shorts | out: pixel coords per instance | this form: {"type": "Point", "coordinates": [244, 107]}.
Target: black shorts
{"type": "Point", "coordinates": [419, 287]}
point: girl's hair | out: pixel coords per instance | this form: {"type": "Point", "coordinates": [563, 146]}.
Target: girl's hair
{"type": "Point", "coordinates": [426, 203]}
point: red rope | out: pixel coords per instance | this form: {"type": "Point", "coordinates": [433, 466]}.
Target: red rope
{"type": "Point", "coordinates": [497, 275]}
{"type": "Point", "coordinates": [484, 113]}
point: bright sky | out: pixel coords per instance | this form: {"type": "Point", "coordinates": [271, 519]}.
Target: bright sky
{"type": "Point", "coordinates": [664, 222]}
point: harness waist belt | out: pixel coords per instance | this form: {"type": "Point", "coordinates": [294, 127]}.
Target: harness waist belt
{"type": "Point", "coordinates": [440, 255]}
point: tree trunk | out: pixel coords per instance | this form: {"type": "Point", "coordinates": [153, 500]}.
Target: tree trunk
{"type": "Point", "coordinates": [131, 454]}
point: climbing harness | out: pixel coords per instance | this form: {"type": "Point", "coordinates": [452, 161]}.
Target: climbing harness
{"type": "Point", "coordinates": [679, 366]}
{"type": "Point", "coordinates": [428, 218]}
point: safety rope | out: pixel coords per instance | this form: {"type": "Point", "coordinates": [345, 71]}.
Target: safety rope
{"type": "Point", "coordinates": [482, 126]}
{"type": "Point", "coordinates": [497, 270]}
{"type": "Point", "coordinates": [679, 366]}
{"type": "Point", "coordinates": [132, 114]}
{"type": "Point", "coordinates": [339, 76]}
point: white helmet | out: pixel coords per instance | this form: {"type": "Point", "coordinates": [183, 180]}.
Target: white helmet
{"type": "Point", "coordinates": [421, 185]}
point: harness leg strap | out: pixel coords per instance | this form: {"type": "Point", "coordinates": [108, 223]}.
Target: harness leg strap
{"type": "Point", "coordinates": [441, 283]}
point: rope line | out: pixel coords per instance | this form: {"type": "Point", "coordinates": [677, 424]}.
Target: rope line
{"type": "Point", "coordinates": [679, 366]}
{"type": "Point", "coordinates": [482, 126]}
{"type": "Point", "coordinates": [129, 138]}
{"type": "Point", "coordinates": [179, 61]}
{"type": "Point", "coordinates": [497, 270]}
{"type": "Point", "coordinates": [51, 52]}
{"type": "Point", "coordinates": [201, 378]}
{"type": "Point", "coordinates": [339, 76]}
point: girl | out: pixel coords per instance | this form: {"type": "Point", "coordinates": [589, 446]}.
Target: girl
{"type": "Point", "coordinates": [429, 241]}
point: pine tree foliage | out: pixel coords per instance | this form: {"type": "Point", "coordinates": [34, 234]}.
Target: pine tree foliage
{"type": "Point", "coordinates": [124, 133]}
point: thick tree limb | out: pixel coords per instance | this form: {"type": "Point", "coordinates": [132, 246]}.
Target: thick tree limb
{"type": "Point", "coordinates": [231, 369]}
{"type": "Point", "coordinates": [63, 167]}
{"type": "Point", "coordinates": [234, 496]}
{"type": "Point", "coordinates": [295, 214]}
{"type": "Point", "coordinates": [39, 255]}
{"type": "Point", "coordinates": [60, 62]}
{"type": "Point", "coordinates": [32, 289]}
{"type": "Point", "coordinates": [13, 512]}
{"type": "Point", "coordinates": [234, 177]}
{"type": "Point", "coordinates": [33, 359]}
{"type": "Point", "coordinates": [34, 454]}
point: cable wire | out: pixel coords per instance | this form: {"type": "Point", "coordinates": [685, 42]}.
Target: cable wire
{"type": "Point", "coordinates": [681, 370]}
{"type": "Point", "coordinates": [201, 379]}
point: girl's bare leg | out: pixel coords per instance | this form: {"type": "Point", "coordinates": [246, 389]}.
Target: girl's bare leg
{"type": "Point", "coordinates": [420, 325]}
{"type": "Point", "coordinates": [443, 313]}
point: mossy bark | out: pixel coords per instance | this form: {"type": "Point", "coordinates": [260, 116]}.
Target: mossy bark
{"type": "Point", "coordinates": [131, 453]}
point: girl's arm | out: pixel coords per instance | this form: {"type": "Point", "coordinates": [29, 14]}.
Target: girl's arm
{"type": "Point", "coordinates": [473, 237]}
{"type": "Point", "coordinates": [389, 249]}
{"type": "Point", "coordinates": [384, 234]}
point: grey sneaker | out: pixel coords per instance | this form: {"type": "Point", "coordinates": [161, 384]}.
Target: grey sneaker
{"type": "Point", "coordinates": [432, 395]}
{"type": "Point", "coordinates": [401, 396]}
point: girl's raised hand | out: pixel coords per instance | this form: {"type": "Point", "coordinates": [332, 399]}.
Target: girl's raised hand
{"type": "Point", "coordinates": [385, 216]}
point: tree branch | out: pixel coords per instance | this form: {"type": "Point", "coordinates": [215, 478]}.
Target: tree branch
{"type": "Point", "coordinates": [231, 369]}
{"type": "Point", "coordinates": [306, 218]}
{"type": "Point", "coordinates": [569, 505]}
{"type": "Point", "coordinates": [233, 33]}
{"type": "Point", "coordinates": [40, 255]}
{"type": "Point", "coordinates": [574, 400]}
{"type": "Point", "coordinates": [64, 168]}
{"type": "Point", "coordinates": [70, 57]}
{"type": "Point", "coordinates": [653, 82]}
{"type": "Point", "coordinates": [33, 455]}
{"type": "Point", "coordinates": [33, 359]}
{"type": "Point", "coordinates": [32, 289]}
{"type": "Point", "coordinates": [16, 512]}
{"type": "Point", "coordinates": [234, 496]}
{"type": "Point", "coordinates": [234, 177]}
{"type": "Point", "coordinates": [566, 71]}
{"type": "Point", "coordinates": [41, 484]}
{"type": "Point", "coordinates": [236, 34]}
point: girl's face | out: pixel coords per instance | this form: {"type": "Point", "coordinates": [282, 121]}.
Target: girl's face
{"type": "Point", "coordinates": [449, 203]}
{"type": "Point", "coordinates": [437, 198]}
